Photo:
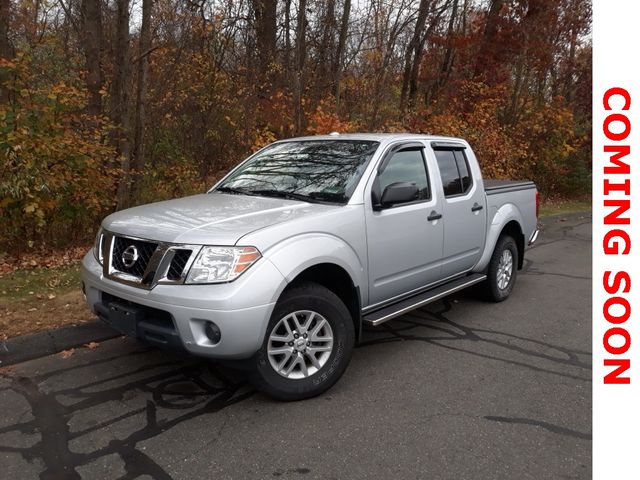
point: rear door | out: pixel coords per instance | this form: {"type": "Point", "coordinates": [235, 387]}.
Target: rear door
{"type": "Point", "coordinates": [464, 209]}
{"type": "Point", "coordinates": [404, 246]}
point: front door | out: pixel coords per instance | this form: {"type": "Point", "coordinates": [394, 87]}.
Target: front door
{"type": "Point", "coordinates": [404, 246]}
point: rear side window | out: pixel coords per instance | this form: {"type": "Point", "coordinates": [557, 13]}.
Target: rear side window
{"type": "Point", "coordinates": [463, 168]}
{"type": "Point", "coordinates": [454, 172]}
{"type": "Point", "coordinates": [407, 166]}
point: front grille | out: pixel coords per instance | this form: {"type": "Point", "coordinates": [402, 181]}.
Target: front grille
{"type": "Point", "coordinates": [144, 249]}
{"type": "Point", "coordinates": [178, 264]}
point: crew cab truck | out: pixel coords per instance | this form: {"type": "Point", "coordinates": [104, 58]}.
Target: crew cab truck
{"type": "Point", "coordinates": [285, 259]}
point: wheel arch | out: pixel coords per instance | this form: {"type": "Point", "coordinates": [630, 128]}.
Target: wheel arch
{"type": "Point", "coordinates": [514, 230]}
{"type": "Point", "coordinates": [336, 279]}
{"type": "Point", "coordinates": [506, 221]}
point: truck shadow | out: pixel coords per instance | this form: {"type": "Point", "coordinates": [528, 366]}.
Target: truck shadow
{"type": "Point", "coordinates": [156, 396]}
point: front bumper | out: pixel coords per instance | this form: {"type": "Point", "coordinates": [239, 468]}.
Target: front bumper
{"type": "Point", "coordinates": [176, 315]}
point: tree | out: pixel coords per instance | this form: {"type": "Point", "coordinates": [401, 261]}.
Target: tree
{"type": "Point", "coordinates": [6, 49]}
{"type": "Point", "coordinates": [342, 41]}
{"type": "Point", "coordinates": [199, 84]}
{"type": "Point", "coordinates": [144, 50]}
{"type": "Point", "coordinates": [266, 26]}
{"type": "Point", "coordinates": [120, 99]}
{"type": "Point", "coordinates": [489, 48]}
{"type": "Point", "coordinates": [301, 52]}
{"type": "Point", "coordinates": [91, 34]}
{"type": "Point", "coordinates": [413, 55]}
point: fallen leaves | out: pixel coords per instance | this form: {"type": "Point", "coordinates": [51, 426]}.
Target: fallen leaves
{"type": "Point", "coordinates": [71, 351]}
{"type": "Point", "coordinates": [43, 258]}
{"type": "Point", "coordinates": [67, 353]}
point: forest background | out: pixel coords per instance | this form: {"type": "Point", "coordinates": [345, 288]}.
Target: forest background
{"type": "Point", "coordinates": [106, 104]}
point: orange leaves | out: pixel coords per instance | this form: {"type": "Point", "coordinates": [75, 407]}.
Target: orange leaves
{"type": "Point", "coordinates": [54, 158]}
{"type": "Point", "coordinates": [67, 353]}
{"type": "Point", "coordinates": [323, 121]}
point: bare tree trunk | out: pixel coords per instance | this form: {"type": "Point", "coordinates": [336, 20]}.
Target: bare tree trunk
{"type": "Point", "coordinates": [414, 50]}
{"type": "Point", "coordinates": [137, 161]}
{"type": "Point", "coordinates": [447, 61]}
{"type": "Point", "coordinates": [300, 61]}
{"type": "Point", "coordinates": [523, 71]}
{"type": "Point", "coordinates": [91, 34]}
{"type": "Point", "coordinates": [287, 38]}
{"type": "Point", "coordinates": [266, 26]}
{"type": "Point", "coordinates": [567, 88]}
{"type": "Point", "coordinates": [323, 80]}
{"type": "Point", "coordinates": [120, 99]}
{"type": "Point", "coordinates": [486, 52]}
{"type": "Point", "coordinates": [6, 49]}
{"type": "Point", "coordinates": [342, 41]}
{"type": "Point", "coordinates": [417, 59]}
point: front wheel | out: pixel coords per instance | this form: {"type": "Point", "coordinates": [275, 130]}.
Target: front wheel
{"type": "Point", "coordinates": [502, 270]}
{"type": "Point", "coordinates": [307, 346]}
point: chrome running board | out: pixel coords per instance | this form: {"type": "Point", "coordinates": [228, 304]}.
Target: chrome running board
{"type": "Point", "coordinates": [397, 309]}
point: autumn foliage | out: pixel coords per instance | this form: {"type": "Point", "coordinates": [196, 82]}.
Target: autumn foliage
{"type": "Point", "coordinates": [99, 110]}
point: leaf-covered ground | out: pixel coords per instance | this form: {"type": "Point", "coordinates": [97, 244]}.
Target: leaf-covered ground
{"type": "Point", "coordinates": [36, 299]}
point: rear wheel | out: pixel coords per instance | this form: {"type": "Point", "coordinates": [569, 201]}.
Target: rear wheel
{"type": "Point", "coordinates": [307, 346]}
{"type": "Point", "coordinates": [502, 270]}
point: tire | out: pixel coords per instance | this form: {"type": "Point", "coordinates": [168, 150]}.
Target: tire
{"type": "Point", "coordinates": [320, 314]}
{"type": "Point", "coordinates": [500, 276]}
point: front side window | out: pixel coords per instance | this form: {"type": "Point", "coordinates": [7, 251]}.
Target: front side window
{"type": "Point", "coordinates": [454, 172]}
{"type": "Point", "coordinates": [321, 170]}
{"type": "Point", "coordinates": [406, 166]}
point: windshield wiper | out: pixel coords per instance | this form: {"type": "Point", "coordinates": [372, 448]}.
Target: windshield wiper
{"type": "Point", "coordinates": [282, 194]}
{"type": "Point", "coordinates": [237, 191]}
{"type": "Point", "coordinates": [312, 197]}
{"type": "Point", "coordinates": [329, 197]}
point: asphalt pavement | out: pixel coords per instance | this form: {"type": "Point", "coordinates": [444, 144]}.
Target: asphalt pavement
{"type": "Point", "coordinates": [461, 389]}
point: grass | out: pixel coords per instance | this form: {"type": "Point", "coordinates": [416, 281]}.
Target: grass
{"type": "Point", "coordinates": [38, 299]}
{"type": "Point", "coordinates": [25, 285]}
{"type": "Point", "coordinates": [556, 207]}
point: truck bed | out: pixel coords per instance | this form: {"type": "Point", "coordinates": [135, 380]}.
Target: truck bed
{"type": "Point", "coordinates": [493, 187]}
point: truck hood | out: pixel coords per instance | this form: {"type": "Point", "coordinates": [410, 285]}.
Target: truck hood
{"type": "Point", "coordinates": [207, 219]}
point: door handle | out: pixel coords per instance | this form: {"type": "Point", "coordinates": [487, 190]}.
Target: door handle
{"type": "Point", "coordinates": [434, 216]}
{"type": "Point", "coordinates": [476, 207]}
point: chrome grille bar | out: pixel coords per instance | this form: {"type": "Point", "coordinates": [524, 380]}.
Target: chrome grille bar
{"type": "Point", "coordinates": [158, 265]}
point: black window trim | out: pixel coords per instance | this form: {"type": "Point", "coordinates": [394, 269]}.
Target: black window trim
{"type": "Point", "coordinates": [386, 157]}
{"type": "Point", "coordinates": [452, 147]}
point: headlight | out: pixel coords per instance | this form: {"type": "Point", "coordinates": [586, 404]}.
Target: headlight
{"type": "Point", "coordinates": [221, 264]}
{"type": "Point", "coordinates": [97, 246]}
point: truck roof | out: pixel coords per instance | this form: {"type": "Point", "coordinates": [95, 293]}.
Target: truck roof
{"type": "Point", "coordinates": [378, 137]}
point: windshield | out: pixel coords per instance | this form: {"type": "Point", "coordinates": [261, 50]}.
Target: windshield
{"type": "Point", "coordinates": [320, 170]}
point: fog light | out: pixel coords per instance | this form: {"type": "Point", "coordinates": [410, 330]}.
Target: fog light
{"type": "Point", "coordinates": [212, 332]}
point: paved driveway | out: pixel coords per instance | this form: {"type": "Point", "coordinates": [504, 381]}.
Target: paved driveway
{"type": "Point", "coordinates": [461, 389]}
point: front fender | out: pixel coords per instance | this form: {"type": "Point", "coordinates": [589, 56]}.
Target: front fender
{"type": "Point", "coordinates": [294, 255]}
{"type": "Point", "coordinates": [505, 214]}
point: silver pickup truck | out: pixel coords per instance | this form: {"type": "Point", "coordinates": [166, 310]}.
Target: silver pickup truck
{"type": "Point", "coordinates": [288, 256]}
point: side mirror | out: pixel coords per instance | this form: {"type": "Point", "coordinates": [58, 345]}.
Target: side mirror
{"type": "Point", "coordinates": [399, 192]}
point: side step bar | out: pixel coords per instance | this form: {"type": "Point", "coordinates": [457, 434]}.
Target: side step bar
{"type": "Point", "coordinates": [397, 309]}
